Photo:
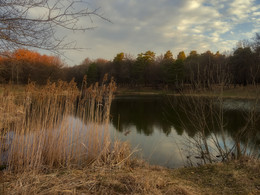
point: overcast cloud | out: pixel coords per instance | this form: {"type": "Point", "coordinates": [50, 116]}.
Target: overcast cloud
{"type": "Point", "coordinates": [161, 25]}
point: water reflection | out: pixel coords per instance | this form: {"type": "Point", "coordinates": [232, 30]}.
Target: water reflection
{"type": "Point", "coordinates": [153, 123]}
{"type": "Point", "coordinates": [162, 113]}
{"type": "Point", "coordinates": [145, 112]}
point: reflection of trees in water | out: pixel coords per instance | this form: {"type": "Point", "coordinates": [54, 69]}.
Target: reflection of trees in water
{"type": "Point", "coordinates": [234, 119]}
{"type": "Point", "coordinates": [144, 113]}
{"type": "Point", "coordinates": [148, 113]}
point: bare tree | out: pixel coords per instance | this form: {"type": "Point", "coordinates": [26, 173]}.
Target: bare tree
{"type": "Point", "coordinates": [37, 23]}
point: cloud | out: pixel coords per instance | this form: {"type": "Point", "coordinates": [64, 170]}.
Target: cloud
{"type": "Point", "coordinates": [138, 26]}
{"type": "Point", "coordinates": [241, 9]}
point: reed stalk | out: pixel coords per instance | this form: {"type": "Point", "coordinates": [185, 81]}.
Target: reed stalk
{"type": "Point", "coordinates": [57, 125]}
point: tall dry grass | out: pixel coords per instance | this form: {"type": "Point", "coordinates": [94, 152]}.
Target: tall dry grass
{"type": "Point", "coordinates": [39, 129]}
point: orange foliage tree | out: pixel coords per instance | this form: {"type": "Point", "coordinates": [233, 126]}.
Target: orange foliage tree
{"type": "Point", "coordinates": [22, 65]}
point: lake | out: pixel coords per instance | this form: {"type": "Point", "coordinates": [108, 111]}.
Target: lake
{"type": "Point", "coordinates": [166, 130]}
{"type": "Point", "coordinates": [153, 124]}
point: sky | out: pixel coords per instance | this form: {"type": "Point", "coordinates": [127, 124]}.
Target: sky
{"type": "Point", "coordinates": [161, 25]}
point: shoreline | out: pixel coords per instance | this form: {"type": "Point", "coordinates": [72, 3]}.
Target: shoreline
{"type": "Point", "coordinates": [138, 177]}
{"type": "Point", "coordinates": [239, 92]}
{"type": "Point", "coordinates": [234, 93]}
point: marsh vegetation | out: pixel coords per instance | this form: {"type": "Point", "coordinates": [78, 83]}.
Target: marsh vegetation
{"type": "Point", "coordinates": [58, 138]}
{"type": "Point", "coordinates": [36, 133]}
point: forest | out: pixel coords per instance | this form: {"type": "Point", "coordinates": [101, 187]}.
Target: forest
{"type": "Point", "coordinates": [204, 70]}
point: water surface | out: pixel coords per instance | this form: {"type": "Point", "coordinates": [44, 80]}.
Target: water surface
{"type": "Point", "coordinates": [154, 124]}
{"type": "Point", "coordinates": [164, 128]}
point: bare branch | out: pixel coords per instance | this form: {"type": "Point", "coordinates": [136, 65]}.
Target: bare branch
{"type": "Point", "coordinates": [35, 23]}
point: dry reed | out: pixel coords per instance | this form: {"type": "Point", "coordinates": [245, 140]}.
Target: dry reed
{"type": "Point", "coordinates": [57, 125]}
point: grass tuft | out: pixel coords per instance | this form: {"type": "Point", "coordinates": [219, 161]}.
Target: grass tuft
{"type": "Point", "coordinates": [39, 130]}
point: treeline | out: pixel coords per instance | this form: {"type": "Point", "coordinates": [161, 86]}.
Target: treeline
{"type": "Point", "coordinates": [197, 70]}
{"type": "Point", "coordinates": [23, 65]}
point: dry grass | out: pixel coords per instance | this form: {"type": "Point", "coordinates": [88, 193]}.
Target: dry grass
{"type": "Point", "coordinates": [237, 177]}
{"type": "Point", "coordinates": [137, 177]}
{"type": "Point", "coordinates": [46, 155]}
{"type": "Point", "coordinates": [37, 135]}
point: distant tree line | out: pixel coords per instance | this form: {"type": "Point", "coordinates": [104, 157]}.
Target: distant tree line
{"type": "Point", "coordinates": [23, 65]}
{"type": "Point", "coordinates": [197, 70]}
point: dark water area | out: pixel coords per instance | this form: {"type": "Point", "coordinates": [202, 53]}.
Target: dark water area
{"type": "Point", "coordinates": [164, 128]}
{"type": "Point", "coordinates": [154, 124]}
